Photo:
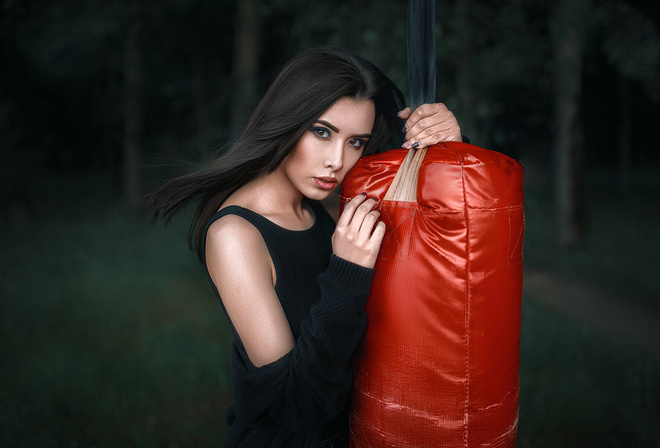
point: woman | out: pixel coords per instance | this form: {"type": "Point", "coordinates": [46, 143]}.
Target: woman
{"type": "Point", "coordinates": [291, 282]}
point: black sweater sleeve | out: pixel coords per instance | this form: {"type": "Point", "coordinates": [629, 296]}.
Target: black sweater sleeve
{"type": "Point", "coordinates": [309, 385]}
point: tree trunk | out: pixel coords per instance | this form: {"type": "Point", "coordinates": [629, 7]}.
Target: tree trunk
{"type": "Point", "coordinates": [133, 115]}
{"type": "Point", "coordinates": [203, 106]}
{"type": "Point", "coordinates": [569, 29]}
{"type": "Point", "coordinates": [246, 61]}
{"type": "Point", "coordinates": [625, 139]}
{"type": "Point", "coordinates": [464, 57]}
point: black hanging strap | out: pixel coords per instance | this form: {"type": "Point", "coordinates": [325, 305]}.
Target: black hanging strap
{"type": "Point", "coordinates": [421, 52]}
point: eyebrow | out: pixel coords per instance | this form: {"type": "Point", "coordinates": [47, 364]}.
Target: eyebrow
{"type": "Point", "coordinates": [333, 128]}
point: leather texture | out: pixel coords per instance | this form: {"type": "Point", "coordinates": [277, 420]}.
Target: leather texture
{"type": "Point", "coordinates": [438, 365]}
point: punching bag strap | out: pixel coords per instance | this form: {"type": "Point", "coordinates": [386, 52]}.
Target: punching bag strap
{"type": "Point", "coordinates": [404, 186]}
{"type": "Point", "coordinates": [421, 83]}
{"type": "Point", "coordinates": [421, 52]}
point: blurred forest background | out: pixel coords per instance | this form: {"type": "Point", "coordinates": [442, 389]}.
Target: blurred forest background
{"type": "Point", "coordinates": [109, 335]}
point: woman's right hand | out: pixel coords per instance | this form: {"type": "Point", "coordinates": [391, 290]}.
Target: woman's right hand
{"type": "Point", "coordinates": [359, 233]}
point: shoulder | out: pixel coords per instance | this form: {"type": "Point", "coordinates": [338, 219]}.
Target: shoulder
{"type": "Point", "coordinates": [231, 228]}
{"type": "Point", "coordinates": [234, 245]}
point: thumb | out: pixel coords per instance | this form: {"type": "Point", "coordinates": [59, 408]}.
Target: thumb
{"type": "Point", "coordinates": [404, 114]}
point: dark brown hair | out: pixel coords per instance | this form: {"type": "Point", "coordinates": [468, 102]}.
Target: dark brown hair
{"type": "Point", "coordinates": [305, 88]}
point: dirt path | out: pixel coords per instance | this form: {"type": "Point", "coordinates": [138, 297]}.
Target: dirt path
{"type": "Point", "coordinates": [604, 311]}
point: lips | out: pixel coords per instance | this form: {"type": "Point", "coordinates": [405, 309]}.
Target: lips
{"type": "Point", "coordinates": [326, 183]}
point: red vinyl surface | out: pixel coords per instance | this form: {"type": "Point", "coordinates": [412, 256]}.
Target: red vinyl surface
{"type": "Point", "coordinates": [438, 365]}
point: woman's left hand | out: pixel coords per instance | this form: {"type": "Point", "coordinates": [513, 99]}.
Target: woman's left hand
{"type": "Point", "coordinates": [430, 124]}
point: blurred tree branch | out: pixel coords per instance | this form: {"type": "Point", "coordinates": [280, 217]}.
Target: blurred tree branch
{"type": "Point", "coordinates": [570, 26]}
{"type": "Point", "coordinates": [246, 61]}
{"type": "Point", "coordinates": [134, 80]}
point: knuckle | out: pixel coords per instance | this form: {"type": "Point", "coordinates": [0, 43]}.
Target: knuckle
{"type": "Point", "coordinates": [351, 206]}
{"type": "Point", "coordinates": [427, 123]}
{"type": "Point", "coordinates": [423, 133]}
{"type": "Point", "coordinates": [365, 206]}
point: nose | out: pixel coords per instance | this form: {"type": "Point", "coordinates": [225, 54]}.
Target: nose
{"type": "Point", "coordinates": [334, 158]}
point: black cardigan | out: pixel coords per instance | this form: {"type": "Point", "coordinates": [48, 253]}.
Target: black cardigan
{"type": "Point", "coordinates": [284, 404]}
{"type": "Point", "coordinates": [302, 397]}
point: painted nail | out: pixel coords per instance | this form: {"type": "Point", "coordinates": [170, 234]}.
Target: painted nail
{"type": "Point", "coordinates": [374, 198]}
{"type": "Point", "coordinates": [415, 145]}
{"type": "Point", "coordinates": [404, 129]}
{"type": "Point", "coordinates": [363, 194]}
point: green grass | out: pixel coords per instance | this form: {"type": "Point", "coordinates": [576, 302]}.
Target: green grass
{"type": "Point", "coordinates": [621, 251]}
{"type": "Point", "coordinates": [582, 388]}
{"type": "Point", "coordinates": [109, 334]}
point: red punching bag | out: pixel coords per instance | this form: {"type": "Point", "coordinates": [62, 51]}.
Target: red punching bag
{"type": "Point", "coordinates": [438, 365]}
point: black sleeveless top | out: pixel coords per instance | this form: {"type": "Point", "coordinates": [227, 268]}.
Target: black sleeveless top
{"type": "Point", "coordinates": [300, 399]}
{"type": "Point", "coordinates": [299, 256]}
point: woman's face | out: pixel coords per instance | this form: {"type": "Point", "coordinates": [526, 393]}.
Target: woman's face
{"type": "Point", "coordinates": [330, 148]}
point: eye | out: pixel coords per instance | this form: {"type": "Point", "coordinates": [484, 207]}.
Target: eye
{"type": "Point", "coordinates": [357, 143]}
{"type": "Point", "coordinates": [320, 132]}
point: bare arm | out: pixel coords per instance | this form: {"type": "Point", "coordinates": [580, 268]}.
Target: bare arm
{"type": "Point", "coordinates": [240, 266]}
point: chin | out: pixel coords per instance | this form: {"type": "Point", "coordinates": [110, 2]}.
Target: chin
{"type": "Point", "coordinates": [319, 195]}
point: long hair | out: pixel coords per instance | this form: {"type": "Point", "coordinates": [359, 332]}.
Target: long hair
{"type": "Point", "coordinates": [305, 88]}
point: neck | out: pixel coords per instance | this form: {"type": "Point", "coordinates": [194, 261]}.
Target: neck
{"type": "Point", "coordinates": [273, 197]}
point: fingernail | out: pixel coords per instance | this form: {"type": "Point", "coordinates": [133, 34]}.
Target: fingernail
{"type": "Point", "coordinates": [404, 129]}
{"type": "Point", "coordinates": [363, 194]}
{"type": "Point", "coordinates": [374, 198]}
{"type": "Point", "coordinates": [415, 145]}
